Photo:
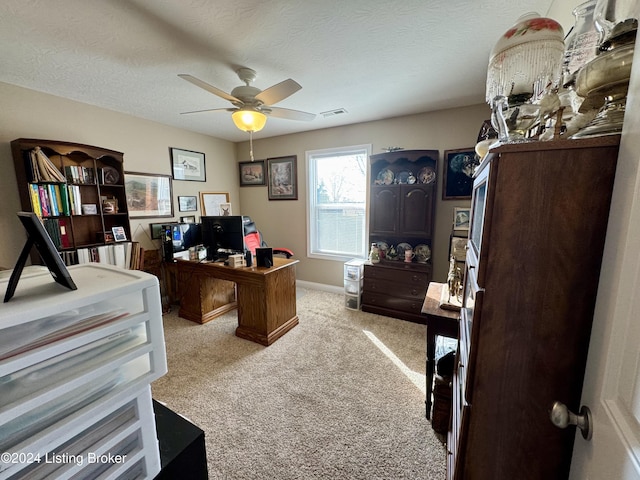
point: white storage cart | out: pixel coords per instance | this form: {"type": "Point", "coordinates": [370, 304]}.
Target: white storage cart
{"type": "Point", "coordinates": [75, 374]}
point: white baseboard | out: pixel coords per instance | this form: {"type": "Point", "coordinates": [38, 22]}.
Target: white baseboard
{"type": "Point", "coordinates": [319, 286]}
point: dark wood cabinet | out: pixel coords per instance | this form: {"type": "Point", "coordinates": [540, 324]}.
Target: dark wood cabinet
{"type": "Point", "coordinates": [88, 176]}
{"type": "Point", "coordinates": [538, 225]}
{"type": "Point", "coordinates": [401, 212]}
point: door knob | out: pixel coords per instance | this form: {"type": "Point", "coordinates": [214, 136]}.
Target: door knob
{"type": "Point", "coordinates": [562, 417]}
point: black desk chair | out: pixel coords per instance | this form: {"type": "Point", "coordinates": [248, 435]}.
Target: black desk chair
{"type": "Point", "coordinates": [253, 239]}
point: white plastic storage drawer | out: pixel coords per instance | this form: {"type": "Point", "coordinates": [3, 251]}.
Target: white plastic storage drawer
{"type": "Point", "coordinates": [353, 269]}
{"type": "Point", "coordinates": [107, 440]}
{"type": "Point", "coordinates": [352, 287]}
{"type": "Point", "coordinates": [64, 353]}
{"type": "Point", "coordinates": [352, 302]}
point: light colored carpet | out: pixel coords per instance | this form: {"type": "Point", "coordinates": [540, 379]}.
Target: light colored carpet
{"type": "Point", "coordinates": [341, 396]}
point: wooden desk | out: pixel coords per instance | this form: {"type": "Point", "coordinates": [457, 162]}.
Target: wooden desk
{"type": "Point", "coordinates": [265, 297]}
{"type": "Point", "coordinates": [439, 322]}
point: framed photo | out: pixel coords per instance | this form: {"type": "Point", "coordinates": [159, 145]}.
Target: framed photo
{"type": "Point", "coordinates": [458, 249]}
{"type": "Point", "coordinates": [187, 165]}
{"type": "Point", "coordinates": [187, 204]}
{"type": "Point", "coordinates": [148, 195]}
{"type": "Point", "coordinates": [282, 175]}
{"type": "Point", "coordinates": [225, 210]}
{"type": "Point", "coordinates": [252, 173]}
{"type": "Point", "coordinates": [211, 201]}
{"type": "Point", "coordinates": [119, 234]}
{"type": "Point", "coordinates": [459, 166]}
{"type": "Point", "coordinates": [189, 219]}
{"type": "Point", "coordinates": [461, 216]}
{"type": "Point", "coordinates": [156, 230]}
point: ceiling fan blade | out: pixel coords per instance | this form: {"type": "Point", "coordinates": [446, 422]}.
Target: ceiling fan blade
{"type": "Point", "coordinates": [278, 92]}
{"type": "Point", "coordinates": [210, 110]}
{"type": "Point", "coordinates": [209, 88]}
{"type": "Point", "coordinates": [289, 114]}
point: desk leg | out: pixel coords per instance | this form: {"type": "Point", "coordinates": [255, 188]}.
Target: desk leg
{"type": "Point", "coordinates": [431, 353]}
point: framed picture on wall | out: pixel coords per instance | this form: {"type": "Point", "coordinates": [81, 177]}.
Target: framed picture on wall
{"type": "Point", "coordinates": [187, 165]}
{"type": "Point", "coordinates": [252, 173]}
{"type": "Point", "coordinates": [211, 201]}
{"type": "Point", "coordinates": [461, 217]}
{"type": "Point", "coordinates": [459, 166]}
{"type": "Point", "coordinates": [188, 203]}
{"type": "Point", "coordinates": [148, 195]}
{"type": "Point", "coordinates": [282, 175]}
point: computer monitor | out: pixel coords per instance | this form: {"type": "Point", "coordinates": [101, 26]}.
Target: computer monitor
{"type": "Point", "coordinates": [184, 235]}
{"type": "Point", "coordinates": [222, 236]}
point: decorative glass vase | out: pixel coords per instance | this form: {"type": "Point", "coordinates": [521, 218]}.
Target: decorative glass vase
{"type": "Point", "coordinates": [523, 66]}
{"type": "Point", "coordinates": [581, 43]}
{"type": "Point", "coordinates": [605, 79]}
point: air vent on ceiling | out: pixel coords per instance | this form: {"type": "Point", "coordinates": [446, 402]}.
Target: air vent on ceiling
{"type": "Point", "coordinates": [331, 113]}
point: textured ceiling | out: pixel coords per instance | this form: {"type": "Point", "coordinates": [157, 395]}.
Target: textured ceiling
{"type": "Point", "coordinates": [374, 58]}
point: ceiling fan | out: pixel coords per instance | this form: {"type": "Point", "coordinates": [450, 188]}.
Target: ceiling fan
{"type": "Point", "coordinates": [251, 106]}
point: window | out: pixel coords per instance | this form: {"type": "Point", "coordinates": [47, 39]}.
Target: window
{"type": "Point", "coordinates": [337, 186]}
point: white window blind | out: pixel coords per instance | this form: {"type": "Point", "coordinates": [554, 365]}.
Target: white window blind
{"type": "Point", "coordinates": [337, 186]}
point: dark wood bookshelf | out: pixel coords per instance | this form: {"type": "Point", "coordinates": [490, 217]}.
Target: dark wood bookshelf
{"type": "Point", "coordinates": [89, 174]}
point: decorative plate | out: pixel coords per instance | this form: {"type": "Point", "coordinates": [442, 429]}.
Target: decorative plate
{"type": "Point", "coordinates": [426, 175]}
{"type": "Point", "coordinates": [385, 177]}
{"type": "Point", "coordinates": [423, 253]}
{"type": "Point", "coordinates": [403, 177]}
{"type": "Point", "coordinates": [110, 175]}
{"type": "Point", "coordinates": [401, 247]}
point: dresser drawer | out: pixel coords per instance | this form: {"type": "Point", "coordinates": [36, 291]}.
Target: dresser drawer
{"type": "Point", "coordinates": [392, 302]}
{"type": "Point", "coordinates": [411, 291]}
{"type": "Point", "coordinates": [408, 276]}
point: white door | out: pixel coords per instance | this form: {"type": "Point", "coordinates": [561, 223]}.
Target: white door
{"type": "Point", "coordinates": [612, 382]}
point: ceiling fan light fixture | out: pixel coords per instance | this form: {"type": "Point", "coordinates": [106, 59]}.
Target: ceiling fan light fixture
{"type": "Point", "coordinates": [249, 120]}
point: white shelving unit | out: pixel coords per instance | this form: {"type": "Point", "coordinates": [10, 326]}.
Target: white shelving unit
{"type": "Point", "coordinates": [75, 374]}
{"type": "Point", "coordinates": [353, 278]}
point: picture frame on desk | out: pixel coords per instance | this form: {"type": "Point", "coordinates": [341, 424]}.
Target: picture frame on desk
{"type": "Point", "coordinates": [148, 195]}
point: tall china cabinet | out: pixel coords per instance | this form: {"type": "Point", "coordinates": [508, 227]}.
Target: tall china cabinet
{"type": "Point", "coordinates": [539, 217]}
{"type": "Point", "coordinates": [401, 216]}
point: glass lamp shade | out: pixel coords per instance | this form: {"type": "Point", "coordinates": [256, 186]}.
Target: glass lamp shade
{"type": "Point", "coordinates": [249, 120]}
{"type": "Point", "coordinates": [526, 60]}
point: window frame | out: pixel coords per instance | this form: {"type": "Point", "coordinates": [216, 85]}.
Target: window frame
{"type": "Point", "coordinates": [310, 157]}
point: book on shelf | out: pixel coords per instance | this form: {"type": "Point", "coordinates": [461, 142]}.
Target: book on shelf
{"type": "Point", "coordinates": [49, 200]}
{"type": "Point", "coordinates": [43, 169]}
{"type": "Point", "coordinates": [79, 174]}
{"type": "Point", "coordinates": [126, 255]}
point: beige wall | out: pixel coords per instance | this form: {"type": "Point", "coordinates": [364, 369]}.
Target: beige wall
{"type": "Point", "coordinates": [283, 223]}
{"type": "Point", "coordinates": [26, 113]}
{"type": "Point", "coordinates": [145, 144]}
